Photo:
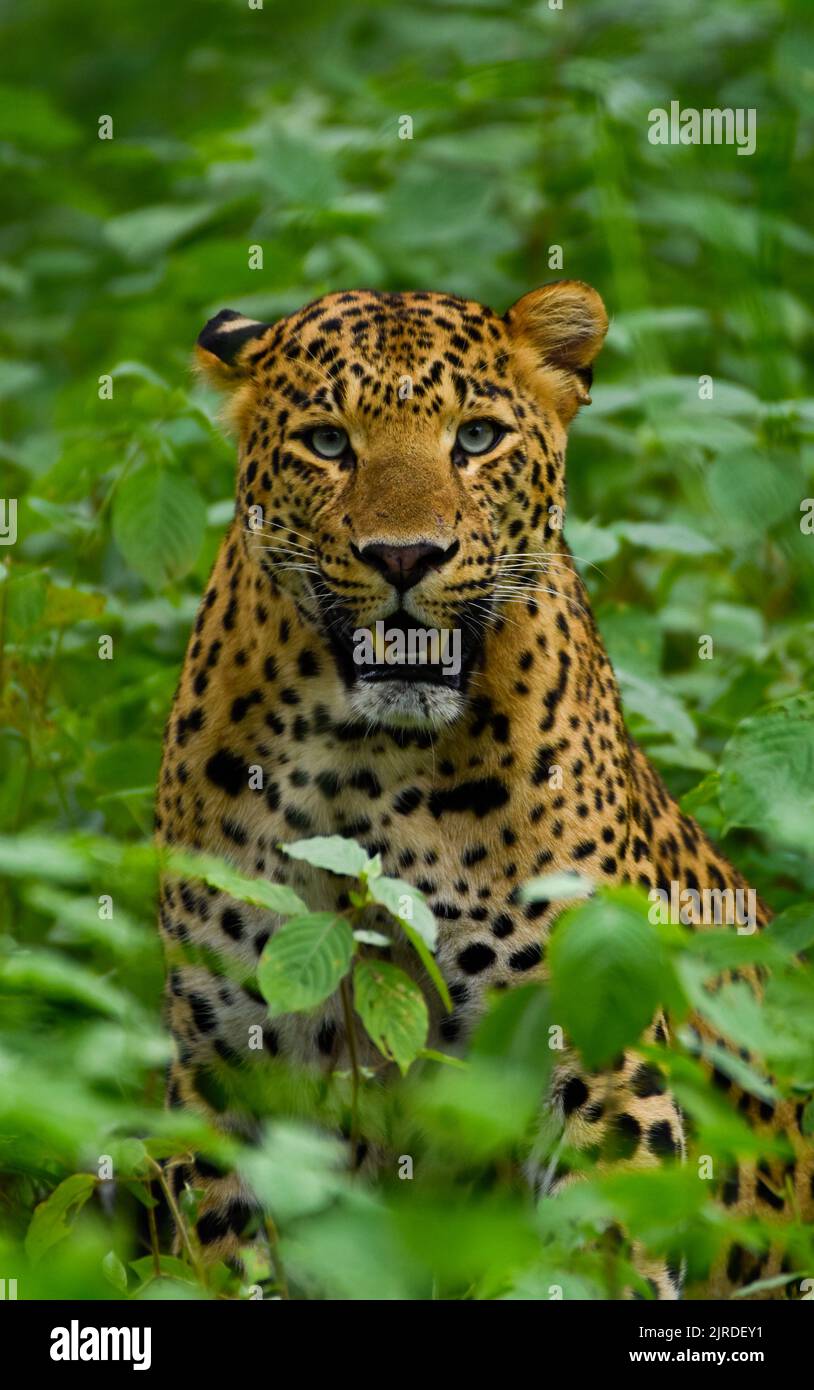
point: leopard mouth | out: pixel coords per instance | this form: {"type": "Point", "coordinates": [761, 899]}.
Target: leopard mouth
{"type": "Point", "coordinates": [399, 649]}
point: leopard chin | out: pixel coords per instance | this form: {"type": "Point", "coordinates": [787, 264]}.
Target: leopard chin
{"type": "Point", "coordinates": [407, 704]}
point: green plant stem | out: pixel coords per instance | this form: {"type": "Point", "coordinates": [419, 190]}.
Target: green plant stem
{"type": "Point", "coordinates": [276, 1259]}
{"type": "Point", "coordinates": [178, 1218]}
{"type": "Point", "coordinates": [350, 1029]}
{"type": "Point", "coordinates": [154, 1246]}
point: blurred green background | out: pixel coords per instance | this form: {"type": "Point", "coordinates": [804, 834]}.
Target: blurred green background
{"type": "Point", "coordinates": [279, 128]}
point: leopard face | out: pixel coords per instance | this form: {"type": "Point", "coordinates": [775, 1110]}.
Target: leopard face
{"type": "Point", "coordinates": [401, 467]}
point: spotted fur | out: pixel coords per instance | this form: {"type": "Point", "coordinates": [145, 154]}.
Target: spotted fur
{"type": "Point", "coordinates": [451, 783]}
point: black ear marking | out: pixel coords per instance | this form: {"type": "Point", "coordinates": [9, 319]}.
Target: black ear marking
{"type": "Point", "coordinates": [226, 333]}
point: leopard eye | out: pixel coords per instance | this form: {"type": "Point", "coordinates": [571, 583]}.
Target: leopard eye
{"type": "Point", "coordinates": [328, 442]}
{"type": "Point", "coordinates": [477, 436]}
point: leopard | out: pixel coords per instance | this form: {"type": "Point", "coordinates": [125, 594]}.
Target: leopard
{"type": "Point", "coordinates": [401, 460]}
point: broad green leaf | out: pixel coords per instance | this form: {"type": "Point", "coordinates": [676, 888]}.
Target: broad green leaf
{"type": "Point", "coordinates": [296, 1170]}
{"type": "Point", "coordinates": [653, 535]}
{"type": "Point", "coordinates": [609, 974]}
{"type": "Point", "coordinates": [129, 1158]}
{"type": "Point", "coordinates": [140, 371]}
{"type": "Point", "coordinates": [750, 492]}
{"type": "Point", "coordinates": [794, 928]}
{"type": "Point", "coordinates": [148, 232]}
{"type": "Point", "coordinates": [481, 1110]}
{"type": "Point", "coordinates": [171, 1267]}
{"type": "Point", "coordinates": [304, 962]}
{"type": "Point", "coordinates": [53, 1218]}
{"type": "Point", "coordinates": [333, 852]}
{"type": "Point", "coordinates": [393, 1010]}
{"type": "Point", "coordinates": [732, 1009]}
{"type": "Point", "coordinates": [633, 637]}
{"type": "Point", "coordinates": [656, 704]}
{"type": "Point", "coordinates": [407, 904]}
{"type": "Point", "coordinates": [429, 962]}
{"type": "Point", "coordinates": [591, 543]}
{"type": "Point", "coordinates": [42, 857]}
{"type": "Point", "coordinates": [300, 171]}
{"type": "Point", "coordinates": [517, 1030]}
{"type": "Point", "coordinates": [54, 975]}
{"type": "Point", "coordinates": [556, 888]}
{"type": "Point", "coordinates": [115, 1271]}
{"type": "Point", "coordinates": [277, 897]}
{"type": "Point", "coordinates": [430, 1054]}
{"type": "Point", "coordinates": [719, 1126]}
{"type": "Point", "coordinates": [159, 519]}
{"type": "Point", "coordinates": [65, 606]}
{"type": "Point", "coordinates": [764, 1285]}
{"type": "Point", "coordinates": [29, 115]}
{"type": "Point", "coordinates": [767, 773]}
{"type": "Point", "coordinates": [26, 595]}
{"type": "Point", "coordinates": [371, 938]}
{"type": "Point", "coordinates": [732, 1065]}
{"type": "Point", "coordinates": [17, 377]}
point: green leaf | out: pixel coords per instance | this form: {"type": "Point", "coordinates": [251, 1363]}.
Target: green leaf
{"type": "Point", "coordinates": [653, 702]}
{"type": "Point", "coordinates": [149, 232]}
{"type": "Point", "coordinates": [750, 492]}
{"type": "Point", "coordinates": [763, 1285]}
{"type": "Point", "coordinates": [332, 852]}
{"type": "Point", "coordinates": [42, 857]}
{"type": "Point", "coordinates": [371, 938]}
{"type": "Point", "coordinates": [516, 1030]}
{"type": "Point", "coordinates": [28, 115]}
{"type": "Point", "coordinates": [609, 974]}
{"type": "Point", "coordinates": [17, 377]}
{"type": "Point", "coordinates": [732, 1009]}
{"type": "Point", "coordinates": [170, 1266]}
{"type": "Point", "coordinates": [665, 536]}
{"type": "Point", "coordinates": [407, 905]}
{"type": "Point", "coordinates": [53, 1218]}
{"type": "Point", "coordinates": [429, 962]}
{"type": "Point", "coordinates": [65, 606]}
{"type": "Point", "coordinates": [26, 596]}
{"type": "Point", "coordinates": [719, 1127]}
{"type": "Point", "coordinates": [393, 1010]}
{"type": "Point", "coordinates": [430, 1054]}
{"type": "Point", "coordinates": [731, 1064]}
{"type": "Point", "coordinates": [159, 519]}
{"type": "Point", "coordinates": [591, 543]}
{"type": "Point", "coordinates": [304, 962]}
{"type": "Point", "coordinates": [53, 975]}
{"type": "Point", "coordinates": [557, 888]}
{"type": "Point", "coordinates": [295, 1169]}
{"type": "Point", "coordinates": [218, 874]}
{"type": "Point", "coordinates": [794, 928]}
{"type": "Point", "coordinates": [767, 773]}
{"type": "Point", "coordinates": [115, 1271]}
{"type": "Point", "coordinates": [299, 170]}
{"type": "Point", "coordinates": [633, 637]}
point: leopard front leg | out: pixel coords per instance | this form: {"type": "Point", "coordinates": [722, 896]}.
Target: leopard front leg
{"type": "Point", "coordinates": [227, 1215]}
{"type": "Point", "coordinates": [622, 1117]}
{"type": "Point", "coordinates": [224, 1047]}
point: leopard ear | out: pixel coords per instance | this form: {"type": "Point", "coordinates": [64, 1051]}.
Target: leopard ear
{"type": "Point", "coordinates": [220, 345]}
{"type": "Point", "coordinates": [564, 324]}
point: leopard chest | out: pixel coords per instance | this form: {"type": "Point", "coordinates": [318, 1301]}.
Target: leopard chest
{"type": "Point", "coordinates": [457, 839]}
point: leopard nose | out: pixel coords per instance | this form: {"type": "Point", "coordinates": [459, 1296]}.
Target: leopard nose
{"type": "Point", "coordinates": [404, 566]}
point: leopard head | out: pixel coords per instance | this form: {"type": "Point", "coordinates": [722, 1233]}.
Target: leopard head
{"type": "Point", "coordinates": [401, 467]}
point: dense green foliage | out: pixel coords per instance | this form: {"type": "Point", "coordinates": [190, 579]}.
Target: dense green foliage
{"type": "Point", "coordinates": [235, 128]}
